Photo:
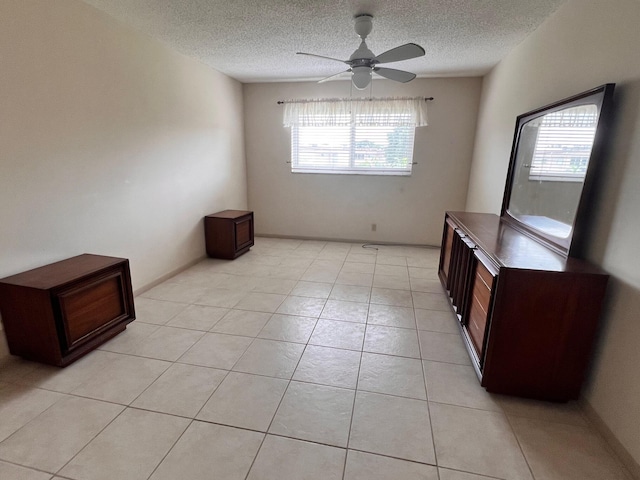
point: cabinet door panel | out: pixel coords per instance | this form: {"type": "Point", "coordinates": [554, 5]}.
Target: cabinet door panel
{"type": "Point", "coordinates": [243, 234]}
{"type": "Point", "coordinates": [92, 308]}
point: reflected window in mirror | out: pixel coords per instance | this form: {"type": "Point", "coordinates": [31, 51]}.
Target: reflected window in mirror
{"type": "Point", "coordinates": [551, 167]}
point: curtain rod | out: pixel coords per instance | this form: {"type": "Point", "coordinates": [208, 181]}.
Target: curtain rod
{"type": "Point", "coordinates": [281, 102]}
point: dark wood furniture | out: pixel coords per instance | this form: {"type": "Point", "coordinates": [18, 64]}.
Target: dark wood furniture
{"type": "Point", "coordinates": [528, 315]}
{"type": "Point", "coordinates": [57, 313]}
{"type": "Point", "coordinates": [228, 234]}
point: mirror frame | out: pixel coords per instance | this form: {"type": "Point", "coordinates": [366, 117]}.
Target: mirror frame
{"type": "Point", "coordinates": [574, 244]}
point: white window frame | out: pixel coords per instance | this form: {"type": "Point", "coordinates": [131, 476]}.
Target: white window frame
{"type": "Point", "coordinates": [352, 168]}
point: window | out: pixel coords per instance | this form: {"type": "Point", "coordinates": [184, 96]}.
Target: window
{"type": "Point", "coordinates": [353, 137]}
{"type": "Point", "coordinates": [563, 144]}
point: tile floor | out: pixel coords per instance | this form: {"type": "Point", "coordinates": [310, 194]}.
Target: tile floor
{"type": "Point", "coordinates": [299, 360]}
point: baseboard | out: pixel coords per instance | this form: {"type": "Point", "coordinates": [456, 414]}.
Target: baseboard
{"type": "Point", "coordinates": [163, 278]}
{"type": "Point", "coordinates": [623, 454]}
{"type": "Point", "coordinates": [345, 240]}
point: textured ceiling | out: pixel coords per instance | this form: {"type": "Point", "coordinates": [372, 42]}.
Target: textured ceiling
{"type": "Point", "coordinates": [256, 40]}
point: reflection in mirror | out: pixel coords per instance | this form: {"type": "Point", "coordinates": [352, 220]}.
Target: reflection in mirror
{"type": "Point", "coordinates": [550, 167]}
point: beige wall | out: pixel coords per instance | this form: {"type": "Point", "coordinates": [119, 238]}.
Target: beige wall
{"type": "Point", "coordinates": [405, 209]}
{"type": "Point", "coordinates": [110, 143]}
{"type": "Point", "coordinates": [583, 45]}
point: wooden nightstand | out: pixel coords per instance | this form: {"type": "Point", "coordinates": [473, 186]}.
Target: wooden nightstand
{"type": "Point", "coordinates": [57, 313]}
{"type": "Point", "coordinates": [228, 234]}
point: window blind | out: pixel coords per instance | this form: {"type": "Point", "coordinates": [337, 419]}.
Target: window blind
{"type": "Point", "coordinates": [361, 137]}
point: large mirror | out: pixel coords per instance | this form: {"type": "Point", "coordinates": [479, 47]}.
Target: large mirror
{"type": "Point", "coordinates": [554, 148]}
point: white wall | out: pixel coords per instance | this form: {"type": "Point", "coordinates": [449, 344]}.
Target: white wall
{"type": "Point", "coordinates": [110, 142]}
{"type": "Point", "coordinates": [405, 209]}
{"type": "Point", "coordinates": [583, 45]}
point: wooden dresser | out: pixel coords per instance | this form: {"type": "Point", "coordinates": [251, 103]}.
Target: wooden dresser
{"type": "Point", "coordinates": [57, 313]}
{"type": "Point", "coordinates": [228, 234]}
{"type": "Point", "coordinates": [528, 316]}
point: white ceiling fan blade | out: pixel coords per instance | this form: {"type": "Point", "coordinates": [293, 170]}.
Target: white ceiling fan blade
{"type": "Point", "coordinates": [403, 52]}
{"type": "Point", "coordinates": [321, 56]}
{"type": "Point", "coordinates": [331, 77]}
{"type": "Point", "coordinates": [393, 74]}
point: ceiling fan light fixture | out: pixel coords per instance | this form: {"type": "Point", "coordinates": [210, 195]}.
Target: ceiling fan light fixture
{"type": "Point", "coordinates": [361, 77]}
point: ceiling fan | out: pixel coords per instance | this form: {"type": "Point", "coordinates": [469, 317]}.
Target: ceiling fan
{"type": "Point", "coordinates": [362, 63]}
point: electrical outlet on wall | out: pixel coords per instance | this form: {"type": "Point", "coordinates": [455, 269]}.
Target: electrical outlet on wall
{"type": "Point", "coordinates": [374, 227]}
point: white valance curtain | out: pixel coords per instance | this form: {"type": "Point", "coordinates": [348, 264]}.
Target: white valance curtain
{"type": "Point", "coordinates": [399, 111]}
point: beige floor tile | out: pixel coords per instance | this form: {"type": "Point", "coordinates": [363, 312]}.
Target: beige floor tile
{"type": "Point", "coordinates": [210, 451]}
{"type": "Point", "coordinates": [431, 301]}
{"type": "Point", "coordinates": [245, 401]}
{"type": "Point", "coordinates": [328, 366]}
{"type": "Point", "coordinates": [287, 459]}
{"type": "Point", "coordinates": [175, 292]}
{"type": "Point", "coordinates": [296, 262]}
{"type": "Point", "coordinates": [128, 340]}
{"type": "Point", "coordinates": [166, 343]}
{"type": "Point", "coordinates": [569, 413]}
{"type": "Point", "coordinates": [280, 286]}
{"type": "Point", "coordinates": [392, 426]}
{"type": "Point", "coordinates": [426, 273]}
{"type": "Point", "coordinates": [388, 296]}
{"type": "Point", "coordinates": [382, 259]}
{"type": "Point", "coordinates": [391, 316]}
{"type": "Point", "coordinates": [355, 278]}
{"type": "Point", "coordinates": [14, 369]}
{"type": "Point", "coordinates": [345, 311]}
{"type": "Point", "coordinates": [216, 350]}
{"type": "Point", "coordinates": [391, 341]}
{"type": "Point", "coordinates": [240, 283]}
{"type": "Point", "coordinates": [67, 379]}
{"type": "Point", "coordinates": [350, 293]}
{"type": "Point", "coordinates": [333, 333]}
{"type": "Point", "coordinates": [271, 358]}
{"type": "Point", "coordinates": [242, 322]}
{"type": "Point", "coordinates": [220, 297]}
{"type": "Point", "coordinates": [392, 270]}
{"type": "Point", "coordinates": [50, 440]}
{"type": "Point", "coordinates": [198, 317]}
{"type": "Point", "coordinates": [392, 375]}
{"type": "Point", "coordinates": [358, 267]}
{"type": "Point", "coordinates": [367, 466]}
{"type": "Point", "coordinates": [20, 404]}
{"type": "Point", "coordinates": [443, 347]}
{"type": "Point", "coordinates": [302, 306]}
{"type": "Point", "coordinates": [426, 258]}
{"type": "Point", "coordinates": [436, 321]}
{"type": "Point", "coordinates": [158, 312]}
{"type": "Point", "coordinates": [457, 385]}
{"type": "Point", "coordinates": [319, 274]}
{"type": "Point", "coordinates": [447, 474]}
{"type": "Point", "coordinates": [15, 472]}
{"type": "Point", "coordinates": [317, 413]}
{"type": "Point", "coordinates": [393, 282]}
{"type": "Point", "coordinates": [426, 285]}
{"type": "Point", "coordinates": [558, 451]}
{"type": "Point", "coordinates": [361, 258]}
{"type": "Point", "coordinates": [261, 302]}
{"type": "Point", "coordinates": [477, 441]}
{"type": "Point", "coordinates": [123, 379]}
{"type": "Point", "coordinates": [288, 328]}
{"type": "Point", "coordinates": [181, 390]}
{"type": "Point", "coordinates": [329, 264]}
{"type": "Point", "coordinates": [129, 448]}
{"type": "Point", "coordinates": [288, 273]}
{"type": "Point", "coordinates": [312, 289]}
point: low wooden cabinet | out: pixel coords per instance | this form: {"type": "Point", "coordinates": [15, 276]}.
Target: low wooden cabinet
{"type": "Point", "coordinates": [528, 316]}
{"type": "Point", "coordinates": [57, 313]}
{"type": "Point", "coordinates": [228, 234]}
